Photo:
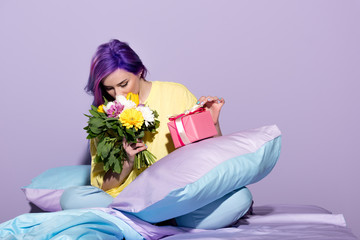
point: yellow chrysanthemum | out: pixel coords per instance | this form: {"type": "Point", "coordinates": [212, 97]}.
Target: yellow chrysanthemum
{"type": "Point", "coordinates": [133, 97]}
{"type": "Point", "coordinates": [131, 118]}
{"type": "Point", "coordinates": [101, 108]}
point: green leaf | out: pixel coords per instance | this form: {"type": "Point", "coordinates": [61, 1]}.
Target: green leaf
{"type": "Point", "coordinates": [96, 122]}
{"type": "Point", "coordinates": [112, 119]}
{"type": "Point", "coordinates": [95, 130]}
{"type": "Point", "coordinates": [157, 123]}
{"type": "Point", "coordinates": [103, 115]}
{"type": "Point", "coordinates": [94, 113]}
{"type": "Point", "coordinates": [97, 159]}
{"type": "Point", "coordinates": [108, 125]}
{"type": "Point", "coordinates": [117, 167]}
{"type": "Point", "coordinates": [112, 158]}
{"type": "Point", "coordinates": [101, 144]}
{"type": "Point", "coordinates": [116, 149]}
{"type": "Point", "coordinates": [107, 149]}
{"type": "Point", "coordinates": [94, 108]}
{"type": "Point", "coordinates": [120, 132]}
{"type": "Point", "coordinates": [105, 101]}
{"type": "Point", "coordinates": [130, 131]}
{"type": "Point", "coordinates": [141, 134]}
{"type": "Point", "coordinates": [106, 167]}
{"type": "Point", "coordinates": [156, 115]}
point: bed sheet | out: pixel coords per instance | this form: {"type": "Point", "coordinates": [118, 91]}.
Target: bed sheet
{"type": "Point", "coordinates": [267, 222]}
{"type": "Point", "coordinates": [281, 221]}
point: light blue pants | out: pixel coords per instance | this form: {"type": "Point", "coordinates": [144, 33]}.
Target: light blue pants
{"type": "Point", "coordinates": [220, 213]}
{"type": "Point", "coordinates": [84, 197]}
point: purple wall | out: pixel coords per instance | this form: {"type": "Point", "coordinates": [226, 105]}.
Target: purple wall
{"type": "Point", "coordinates": [292, 63]}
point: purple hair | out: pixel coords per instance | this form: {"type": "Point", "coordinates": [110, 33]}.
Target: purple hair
{"type": "Point", "coordinates": [108, 58]}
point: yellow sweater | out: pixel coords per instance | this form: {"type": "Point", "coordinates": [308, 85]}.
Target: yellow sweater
{"type": "Point", "coordinates": [167, 99]}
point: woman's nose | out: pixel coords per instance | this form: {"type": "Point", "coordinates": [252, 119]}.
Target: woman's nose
{"type": "Point", "coordinates": [117, 92]}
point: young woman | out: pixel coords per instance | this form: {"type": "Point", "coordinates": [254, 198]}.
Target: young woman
{"type": "Point", "coordinates": [117, 70]}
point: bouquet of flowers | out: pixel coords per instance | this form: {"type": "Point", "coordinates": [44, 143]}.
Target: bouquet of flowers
{"type": "Point", "coordinates": [113, 122]}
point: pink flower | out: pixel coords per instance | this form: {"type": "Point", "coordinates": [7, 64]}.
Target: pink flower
{"type": "Point", "coordinates": [113, 109]}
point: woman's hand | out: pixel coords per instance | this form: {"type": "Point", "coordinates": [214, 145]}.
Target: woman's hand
{"type": "Point", "coordinates": [212, 104]}
{"type": "Point", "coordinates": [133, 148]}
{"type": "Point", "coordinates": [113, 179]}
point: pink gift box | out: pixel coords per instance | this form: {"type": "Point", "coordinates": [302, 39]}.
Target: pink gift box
{"type": "Point", "coordinates": [191, 128]}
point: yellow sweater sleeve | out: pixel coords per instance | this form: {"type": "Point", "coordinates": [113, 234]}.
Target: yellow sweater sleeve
{"type": "Point", "coordinates": [97, 169]}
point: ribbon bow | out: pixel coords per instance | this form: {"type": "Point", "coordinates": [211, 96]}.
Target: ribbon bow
{"type": "Point", "coordinates": [193, 110]}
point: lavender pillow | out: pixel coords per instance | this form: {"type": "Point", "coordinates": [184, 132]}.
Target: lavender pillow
{"type": "Point", "coordinates": [46, 189]}
{"type": "Point", "coordinates": [197, 174]}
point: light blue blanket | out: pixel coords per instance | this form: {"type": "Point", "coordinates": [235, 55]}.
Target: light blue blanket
{"type": "Point", "coordinates": [94, 223]}
{"type": "Point", "coordinates": [69, 224]}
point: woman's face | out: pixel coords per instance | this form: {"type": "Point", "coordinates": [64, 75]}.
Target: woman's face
{"type": "Point", "coordinates": [121, 82]}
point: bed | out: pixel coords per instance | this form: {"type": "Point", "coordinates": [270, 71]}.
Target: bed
{"type": "Point", "coordinates": [188, 179]}
{"type": "Point", "coordinates": [267, 222]}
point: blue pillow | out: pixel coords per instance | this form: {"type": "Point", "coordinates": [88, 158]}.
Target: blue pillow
{"type": "Point", "coordinates": [46, 189]}
{"type": "Point", "coordinates": [200, 173]}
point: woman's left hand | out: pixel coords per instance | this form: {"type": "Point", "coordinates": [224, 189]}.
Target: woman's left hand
{"type": "Point", "coordinates": [212, 104]}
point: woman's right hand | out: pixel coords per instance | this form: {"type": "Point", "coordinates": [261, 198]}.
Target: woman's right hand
{"type": "Point", "coordinates": [113, 179]}
{"type": "Point", "coordinates": [133, 148]}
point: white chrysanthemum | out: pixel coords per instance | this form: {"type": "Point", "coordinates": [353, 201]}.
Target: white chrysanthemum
{"type": "Point", "coordinates": [108, 106]}
{"type": "Point", "coordinates": [120, 98]}
{"type": "Point", "coordinates": [147, 114]}
{"type": "Point", "coordinates": [126, 103]}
